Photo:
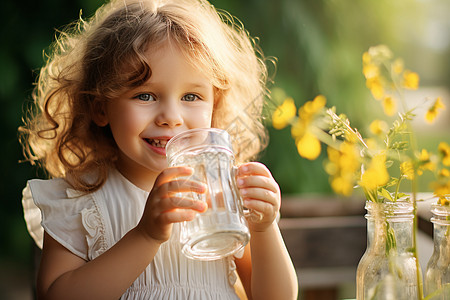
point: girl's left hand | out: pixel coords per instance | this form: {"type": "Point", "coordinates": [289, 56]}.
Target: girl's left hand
{"type": "Point", "coordinates": [260, 192]}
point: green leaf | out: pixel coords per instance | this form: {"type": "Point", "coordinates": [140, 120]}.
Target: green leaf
{"type": "Point", "coordinates": [402, 195]}
{"type": "Point", "coordinates": [385, 193]}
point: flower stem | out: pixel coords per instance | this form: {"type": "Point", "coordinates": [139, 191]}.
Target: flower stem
{"type": "Point", "coordinates": [413, 147]}
{"type": "Point", "coordinates": [397, 188]}
{"type": "Point", "coordinates": [415, 227]}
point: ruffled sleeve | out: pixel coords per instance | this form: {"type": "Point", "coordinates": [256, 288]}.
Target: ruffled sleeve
{"type": "Point", "coordinates": [71, 218]}
{"type": "Point", "coordinates": [32, 216]}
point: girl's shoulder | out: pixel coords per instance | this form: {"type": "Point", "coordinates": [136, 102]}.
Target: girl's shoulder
{"type": "Point", "coordinates": [82, 222]}
{"type": "Point", "coordinates": [54, 206]}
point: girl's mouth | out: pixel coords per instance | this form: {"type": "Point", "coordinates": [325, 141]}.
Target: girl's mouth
{"type": "Point", "coordinates": [157, 143]}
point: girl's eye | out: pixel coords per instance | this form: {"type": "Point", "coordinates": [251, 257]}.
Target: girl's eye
{"type": "Point", "coordinates": [145, 97]}
{"type": "Point", "coordinates": [190, 97]}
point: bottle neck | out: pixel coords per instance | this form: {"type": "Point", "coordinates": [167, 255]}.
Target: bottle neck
{"type": "Point", "coordinates": [441, 223]}
{"type": "Point", "coordinates": [390, 226]}
{"type": "Point", "coordinates": [440, 215]}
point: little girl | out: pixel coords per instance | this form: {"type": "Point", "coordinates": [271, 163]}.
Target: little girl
{"type": "Point", "coordinates": [113, 92]}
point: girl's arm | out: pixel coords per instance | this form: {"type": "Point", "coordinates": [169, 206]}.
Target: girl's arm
{"type": "Point", "coordinates": [63, 275]}
{"type": "Point", "coordinates": [266, 269]}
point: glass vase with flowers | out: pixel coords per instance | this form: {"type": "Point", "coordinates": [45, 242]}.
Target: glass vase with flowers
{"type": "Point", "coordinates": [379, 165]}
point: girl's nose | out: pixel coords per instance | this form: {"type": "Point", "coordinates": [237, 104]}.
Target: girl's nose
{"type": "Point", "coordinates": [169, 115]}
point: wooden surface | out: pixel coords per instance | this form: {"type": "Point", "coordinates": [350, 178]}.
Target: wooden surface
{"type": "Point", "coordinates": [326, 237]}
{"type": "Point", "coordinates": [325, 242]}
{"type": "Point", "coordinates": [323, 232]}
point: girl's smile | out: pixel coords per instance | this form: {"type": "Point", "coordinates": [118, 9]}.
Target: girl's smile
{"type": "Point", "coordinates": [158, 144]}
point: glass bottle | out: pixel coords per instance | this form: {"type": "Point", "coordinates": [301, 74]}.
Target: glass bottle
{"type": "Point", "coordinates": [437, 275]}
{"type": "Point", "coordinates": [389, 269]}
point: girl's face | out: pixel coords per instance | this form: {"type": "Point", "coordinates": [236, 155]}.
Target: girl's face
{"type": "Point", "coordinates": [177, 97]}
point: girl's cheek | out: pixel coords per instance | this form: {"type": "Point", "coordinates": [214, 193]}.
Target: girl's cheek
{"type": "Point", "coordinates": [199, 117]}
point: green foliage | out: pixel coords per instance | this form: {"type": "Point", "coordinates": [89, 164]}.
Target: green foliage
{"type": "Point", "coordinates": [28, 27]}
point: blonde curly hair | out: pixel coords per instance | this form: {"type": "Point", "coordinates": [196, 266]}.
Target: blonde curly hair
{"type": "Point", "coordinates": [94, 61]}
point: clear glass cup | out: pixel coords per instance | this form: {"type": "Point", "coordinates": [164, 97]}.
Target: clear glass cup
{"type": "Point", "coordinates": [221, 230]}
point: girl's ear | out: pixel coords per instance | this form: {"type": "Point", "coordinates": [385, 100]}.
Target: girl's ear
{"type": "Point", "coordinates": [99, 114]}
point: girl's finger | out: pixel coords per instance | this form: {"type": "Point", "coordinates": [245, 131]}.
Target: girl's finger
{"type": "Point", "coordinates": [258, 181]}
{"type": "Point", "coordinates": [259, 194]}
{"type": "Point", "coordinates": [183, 186]}
{"type": "Point", "coordinates": [171, 173]}
{"type": "Point", "coordinates": [253, 168]}
{"type": "Point", "coordinates": [178, 215]}
{"type": "Point", "coordinates": [174, 203]}
{"type": "Point", "coordinates": [265, 208]}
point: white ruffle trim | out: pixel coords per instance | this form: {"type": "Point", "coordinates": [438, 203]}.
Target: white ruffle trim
{"type": "Point", "coordinates": [92, 222]}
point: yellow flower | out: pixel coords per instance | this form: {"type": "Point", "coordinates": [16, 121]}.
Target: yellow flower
{"type": "Point", "coordinates": [376, 175]}
{"type": "Point", "coordinates": [332, 166]}
{"type": "Point", "coordinates": [397, 66]}
{"type": "Point", "coordinates": [378, 127]}
{"type": "Point", "coordinates": [432, 112]}
{"type": "Point", "coordinates": [341, 185]}
{"type": "Point", "coordinates": [284, 114]}
{"type": "Point", "coordinates": [407, 170]}
{"type": "Point", "coordinates": [342, 160]}
{"type": "Point", "coordinates": [311, 108]}
{"type": "Point", "coordinates": [444, 201]}
{"type": "Point", "coordinates": [444, 150]}
{"type": "Point", "coordinates": [410, 80]}
{"type": "Point", "coordinates": [308, 146]}
{"type": "Point", "coordinates": [380, 52]}
{"type": "Point", "coordinates": [371, 71]}
{"type": "Point", "coordinates": [342, 166]}
{"type": "Point", "coordinates": [425, 162]}
{"type": "Point", "coordinates": [441, 190]}
{"type": "Point", "coordinates": [389, 105]}
{"type": "Point", "coordinates": [444, 173]}
{"type": "Point", "coordinates": [349, 160]}
{"type": "Point", "coordinates": [320, 101]}
{"type": "Point", "coordinates": [298, 129]}
{"type": "Point", "coordinates": [366, 58]}
{"type": "Point", "coordinates": [424, 156]}
{"type": "Point", "coordinates": [375, 86]}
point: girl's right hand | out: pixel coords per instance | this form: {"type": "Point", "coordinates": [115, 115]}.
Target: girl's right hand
{"type": "Point", "coordinates": [165, 206]}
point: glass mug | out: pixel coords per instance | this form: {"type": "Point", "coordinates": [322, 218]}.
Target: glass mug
{"type": "Point", "coordinates": [221, 230]}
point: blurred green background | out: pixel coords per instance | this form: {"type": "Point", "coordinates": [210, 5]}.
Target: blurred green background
{"type": "Point", "coordinates": [318, 45]}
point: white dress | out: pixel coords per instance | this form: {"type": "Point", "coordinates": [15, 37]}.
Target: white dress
{"type": "Point", "coordinates": [88, 225]}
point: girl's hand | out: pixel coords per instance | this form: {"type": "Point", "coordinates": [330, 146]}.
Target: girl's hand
{"type": "Point", "coordinates": [260, 192]}
{"type": "Point", "coordinates": [165, 206]}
